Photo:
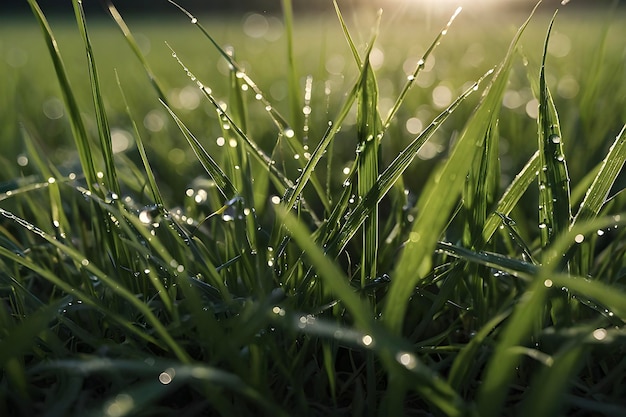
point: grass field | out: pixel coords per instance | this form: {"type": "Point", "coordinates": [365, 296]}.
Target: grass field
{"type": "Point", "coordinates": [334, 214]}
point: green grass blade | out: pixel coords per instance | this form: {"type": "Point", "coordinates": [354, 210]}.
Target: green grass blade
{"type": "Point", "coordinates": [597, 193]}
{"type": "Point", "coordinates": [466, 359]}
{"type": "Point", "coordinates": [321, 148]}
{"type": "Point", "coordinates": [285, 130]}
{"type": "Point", "coordinates": [554, 192]}
{"type": "Point", "coordinates": [297, 117]}
{"type": "Point", "coordinates": [69, 289]}
{"type": "Point", "coordinates": [161, 374]}
{"type": "Point", "coordinates": [369, 134]}
{"type": "Point", "coordinates": [110, 282]}
{"type": "Point", "coordinates": [551, 383]}
{"type": "Point", "coordinates": [76, 122]}
{"type": "Point", "coordinates": [395, 353]}
{"type": "Point", "coordinates": [222, 181]}
{"type": "Point", "coordinates": [481, 187]}
{"type": "Point", "coordinates": [156, 193]}
{"type": "Point", "coordinates": [512, 195]}
{"type": "Point", "coordinates": [501, 367]}
{"type": "Point", "coordinates": [130, 39]}
{"type": "Point", "coordinates": [440, 198]}
{"type": "Point", "coordinates": [104, 130]}
{"type": "Point", "coordinates": [391, 175]}
{"type": "Point", "coordinates": [420, 66]}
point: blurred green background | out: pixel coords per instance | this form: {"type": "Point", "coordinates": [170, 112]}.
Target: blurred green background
{"type": "Point", "coordinates": [585, 71]}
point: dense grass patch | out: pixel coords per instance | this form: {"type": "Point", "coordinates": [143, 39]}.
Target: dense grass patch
{"type": "Point", "coordinates": [259, 219]}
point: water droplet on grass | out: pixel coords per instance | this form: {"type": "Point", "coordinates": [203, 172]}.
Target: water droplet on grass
{"type": "Point", "coordinates": [555, 139]}
{"type": "Point", "coordinates": [406, 359]}
{"type": "Point", "coordinates": [367, 340]}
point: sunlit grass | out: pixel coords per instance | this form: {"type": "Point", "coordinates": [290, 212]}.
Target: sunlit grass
{"type": "Point", "coordinates": [248, 219]}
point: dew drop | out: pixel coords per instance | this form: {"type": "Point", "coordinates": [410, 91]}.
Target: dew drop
{"type": "Point", "coordinates": [555, 139]}
{"type": "Point", "coordinates": [367, 340]}
{"type": "Point", "coordinates": [579, 238]}
{"type": "Point", "coordinates": [194, 20]}
{"type": "Point", "coordinates": [406, 359]}
{"type": "Point", "coordinates": [600, 334]}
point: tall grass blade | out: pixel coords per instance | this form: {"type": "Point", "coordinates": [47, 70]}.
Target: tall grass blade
{"type": "Point", "coordinates": [132, 42]}
{"type": "Point", "coordinates": [224, 184]}
{"type": "Point", "coordinates": [292, 72]}
{"type": "Point", "coordinates": [441, 196]}
{"type": "Point", "coordinates": [76, 122]}
{"type": "Point", "coordinates": [104, 130]}
{"type": "Point", "coordinates": [394, 352]}
{"type": "Point", "coordinates": [391, 175]}
{"type": "Point", "coordinates": [512, 195]}
{"type": "Point", "coordinates": [550, 384]}
{"type": "Point", "coordinates": [279, 120]}
{"type": "Point", "coordinates": [598, 192]}
{"type": "Point", "coordinates": [154, 188]}
{"type": "Point", "coordinates": [554, 192]}
{"type": "Point", "coordinates": [110, 282]}
{"type": "Point", "coordinates": [501, 367]}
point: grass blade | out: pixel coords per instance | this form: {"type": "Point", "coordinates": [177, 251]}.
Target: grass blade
{"type": "Point", "coordinates": [512, 195]}
{"type": "Point", "coordinates": [76, 122]}
{"type": "Point", "coordinates": [292, 72]}
{"type": "Point", "coordinates": [158, 198]}
{"type": "Point", "coordinates": [224, 184]}
{"type": "Point", "coordinates": [440, 198]}
{"type": "Point", "coordinates": [554, 192]}
{"type": "Point", "coordinates": [597, 193]}
{"type": "Point", "coordinates": [391, 175]}
{"type": "Point", "coordinates": [130, 39]}
{"type": "Point", "coordinates": [104, 130]}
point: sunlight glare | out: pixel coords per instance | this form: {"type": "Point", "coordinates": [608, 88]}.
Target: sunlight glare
{"type": "Point", "coordinates": [450, 5]}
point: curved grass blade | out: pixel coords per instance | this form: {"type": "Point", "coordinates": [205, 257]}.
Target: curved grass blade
{"type": "Point", "coordinates": [85, 264]}
{"type": "Point", "coordinates": [550, 385]}
{"type": "Point", "coordinates": [283, 126]}
{"type": "Point", "coordinates": [465, 360]}
{"type": "Point", "coordinates": [420, 66]}
{"type": "Point", "coordinates": [391, 175]}
{"type": "Point", "coordinates": [161, 374]}
{"type": "Point", "coordinates": [554, 193]}
{"type": "Point", "coordinates": [130, 39]}
{"type": "Point", "coordinates": [526, 316]}
{"type": "Point", "coordinates": [104, 130]}
{"type": "Point", "coordinates": [69, 289]}
{"type": "Point", "coordinates": [223, 183]}
{"type": "Point", "coordinates": [79, 131]}
{"type": "Point", "coordinates": [292, 73]}
{"type": "Point", "coordinates": [394, 352]}
{"type": "Point", "coordinates": [512, 195]}
{"type": "Point", "coordinates": [156, 193]}
{"type": "Point", "coordinates": [441, 197]}
{"type": "Point", "coordinates": [597, 193]}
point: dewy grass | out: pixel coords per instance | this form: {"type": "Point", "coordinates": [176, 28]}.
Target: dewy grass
{"type": "Point", "coordinates": [255, 290]}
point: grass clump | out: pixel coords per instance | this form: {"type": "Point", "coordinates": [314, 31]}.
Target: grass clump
{"type": "Point", "coordinates": [270, 286]}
